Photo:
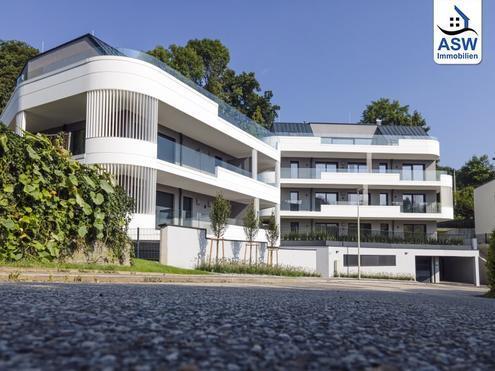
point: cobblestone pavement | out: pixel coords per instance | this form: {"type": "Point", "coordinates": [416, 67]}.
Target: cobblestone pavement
{"type": "Point", "coordinates": [156, 326]}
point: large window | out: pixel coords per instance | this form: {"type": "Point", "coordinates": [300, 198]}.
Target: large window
{"type": "Point", "coordinates": [357, 167]}
{"type": "Point", "coordinates": [325, 198]}
{"type": "Point", "coordinates": [77, 141]}
{"type": "Point", "coordinates": [383, 199]}
{"type": "Point", "coordinates": [164, 208]}
{"type": "Point", "coordinates": [294, 227]}
{"type": "Point", "coordinates": [413, 203]}
{"type": "Point", "coordinates": [294, 169]}
{"type": "Point", "coordinates": [352, 198]}
{"type": "Point", "coordinates": [414, 231]}
{"type": "Point", "coordinates": [327, 228]}
{"type": "Point", "coordinates": [370, 260]}
{"type": "Point", "coordinates": [413, 172]}
{"type": "Point", "coordinates": [166, 148]}
{"type": "Point", "coordinates": [325, 167]}
{"type": "Point", "coordinates": [384, 229]}
{"type": "Point", "coordinates": [294, 201]}
{"type": "Point", "coordinates": [365, 229]}
{"type": "Point", "coordinates": [382, 168]}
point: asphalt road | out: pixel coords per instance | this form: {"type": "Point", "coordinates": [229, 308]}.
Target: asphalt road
{"type": "Point", "coordinates": [156, 326]}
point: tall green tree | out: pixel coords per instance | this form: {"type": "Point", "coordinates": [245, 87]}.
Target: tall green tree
{"type": "Point", "coordinates": [219, 214]}
{"type": "Point", "coordinates": [464, 203]}
{"type": "Point", "coordinates": [251, 228]}
{"type": "Point", "coordinates": [205, 62]}
{"type": "Point", "coordinates": [475, 172]}
{"type": "Point", "coordinates": [391, 112]}
{"type": "Point", "coordinates": [13, 56]}
{"type": "Point", "coordinates": [272, 234]}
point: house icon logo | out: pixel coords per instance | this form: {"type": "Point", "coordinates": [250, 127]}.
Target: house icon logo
{"type": "Point", "coordinates": [455, 23]}
{"type": "Point", "coordinates": [457, 31]}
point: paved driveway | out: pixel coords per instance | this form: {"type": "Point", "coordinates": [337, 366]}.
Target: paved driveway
{"type": "Point", "coordinates": [342, 325]}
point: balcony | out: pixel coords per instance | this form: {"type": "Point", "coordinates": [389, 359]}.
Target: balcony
{"type": "Point", "coordinates": [371, 238]}
{"type": "Point", "coordinates": [370, 140]}
{"type": "Point", "coordinates": [179, 154]}
{"type": "Point", "coordinates": [298, 209]}
{"type": "Point", "coordinates": [390, 174]}
{"type": "Point", "coordinates": [404, 207]}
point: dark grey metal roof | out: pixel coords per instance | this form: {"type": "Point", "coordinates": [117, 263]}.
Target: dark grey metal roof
{"type": "Point", "coordinates": [292, 128]}
{"type": "Point", "coordinates": [401, 130]}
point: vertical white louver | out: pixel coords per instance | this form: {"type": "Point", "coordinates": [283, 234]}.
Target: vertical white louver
{"type": "Point", "coordinates": [139, 182]}
{"type": "Point", "coordinates": [122, 114]}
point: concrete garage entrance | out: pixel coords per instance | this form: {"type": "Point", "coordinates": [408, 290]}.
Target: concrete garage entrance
{"type": "Point", "coordinates": [457, 269]}
{"type": "Point", "coordinates": [435, 269]}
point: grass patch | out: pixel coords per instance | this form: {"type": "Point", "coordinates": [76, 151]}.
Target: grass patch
{"type": "Point", "coordinates": [235, 267]}
{"type": "Point", "coordinates": [378, 276]}
{"type": "Point", "coordinates": [138, 265]}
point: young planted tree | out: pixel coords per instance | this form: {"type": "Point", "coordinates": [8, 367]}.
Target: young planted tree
{"type": "Point", "coordinates": [272, 234]}
{"type": "Point", "coordinates": [490, 264]}
{"type": "Point", "coordinates": [251, 227]}
{"type": "Point", "coordinates": [219, 215]}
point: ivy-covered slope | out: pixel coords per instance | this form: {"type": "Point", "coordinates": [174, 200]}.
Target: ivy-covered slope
{"type": "Point", "coordinates": [52, 205]}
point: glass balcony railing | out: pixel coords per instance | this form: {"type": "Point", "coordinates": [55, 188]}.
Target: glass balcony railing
{"type": "Point", "coordinates": [62, 60]}
{"type": "Point", "coordinates": [405, 207]}
{"type": "Point", "coordinates": [386, 236]}
{"type": "Point", "coordinates": [374, 140]}
{"type": "Point", "coordinates": [406, 175]}
{"type": "Point", "coordinates": [188, 219]}
{"type": "Point", "coordinates": [225, 111]}
{"type": "Point", "coordinates": [179, 154]}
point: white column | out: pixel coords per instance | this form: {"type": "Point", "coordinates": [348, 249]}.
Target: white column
{"type": "Point", "coordinates": [254, 164]}
{"type": "Point", "coordinates": [476, 270]}
{"type": "Point", "coordinates": [369, 162]}
{"type": "Point", "coordinates": [435, 261]}
{"type": "Point", "coordinates": [256, 205]}
{"type": "Point", "coordinates": [20, 123]}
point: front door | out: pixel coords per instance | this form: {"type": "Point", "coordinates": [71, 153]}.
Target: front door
{"type": "Point", "coordinates": [423, 269]}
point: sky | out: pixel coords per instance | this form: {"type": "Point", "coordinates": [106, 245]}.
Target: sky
{"type": "Point", "coordinates": [324, 60]}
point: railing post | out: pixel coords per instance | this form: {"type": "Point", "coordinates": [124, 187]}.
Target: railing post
{"type": "Point", "coordinates": [137, 244]}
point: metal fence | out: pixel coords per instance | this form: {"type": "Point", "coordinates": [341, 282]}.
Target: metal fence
{"type": "Point", "coordinates": [146, 243]}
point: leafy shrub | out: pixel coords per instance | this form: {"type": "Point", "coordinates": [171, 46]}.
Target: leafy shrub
{"type": "Point", "coordinates": [490, 263]}
{"type": "Point", "coordinates": [52, 205]}
{"type": "Point", "coordinates": [233, 266]}
{"type": "Point", "coordinates": [322, 236]}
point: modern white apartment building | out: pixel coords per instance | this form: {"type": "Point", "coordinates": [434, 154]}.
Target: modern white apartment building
{"type": "Point", "coordinates": [333, 174]}
{"type": "Point", "coordinates": [173, 146]}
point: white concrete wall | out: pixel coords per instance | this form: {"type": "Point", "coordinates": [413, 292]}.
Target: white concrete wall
{"type": "Point", "coordinates": [484, 208]}
{"type": "Point", "coordinates": [184, 247]}
{"type": "Point", "coordinates": [310, 259]}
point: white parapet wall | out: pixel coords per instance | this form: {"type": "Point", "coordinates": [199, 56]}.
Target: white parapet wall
{"type": "Point", "coordinates": [185, 247]}
{"type": "Point", "coordinates": [310, 259]}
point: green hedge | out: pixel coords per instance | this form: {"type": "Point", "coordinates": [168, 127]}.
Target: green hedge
{"type": "Point", "coordinates": [52, 205]}
{"type": "Point", "coordinates": [322, 236]}
{"type": "Point", "coordinates": [237, 267]}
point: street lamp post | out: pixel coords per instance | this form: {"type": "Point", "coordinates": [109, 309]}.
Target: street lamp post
{"type": "Point", "coordinates": [359, 233]}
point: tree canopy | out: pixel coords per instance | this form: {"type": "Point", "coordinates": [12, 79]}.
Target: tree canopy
{"type": "Point", "coordinates": [13, 55]}
{"type": "Point", "coordinates": [475, 172]}
{"type": "Point", "coordinates": [391, 112]}
{"type": "Point", "coordinates": [206, 63]}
